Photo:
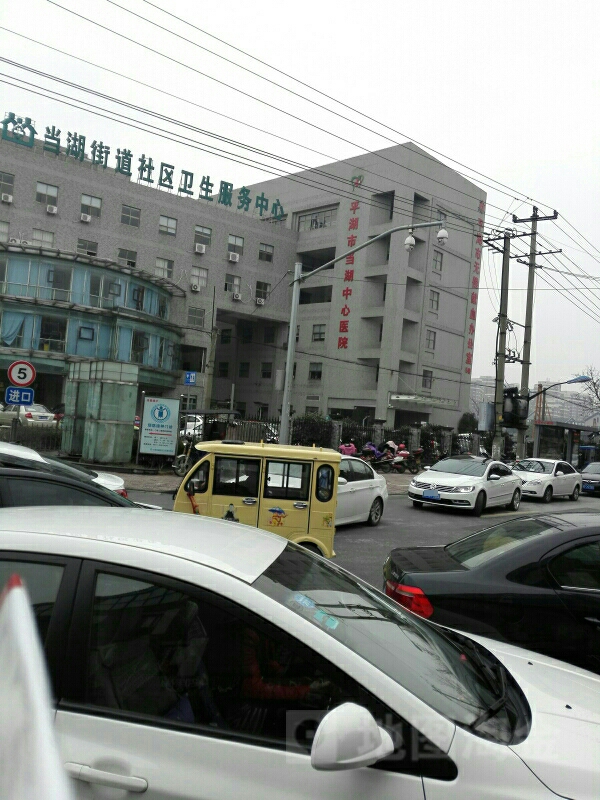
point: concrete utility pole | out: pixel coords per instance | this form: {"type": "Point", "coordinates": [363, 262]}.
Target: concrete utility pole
{"type": "Point", "coordinates": [498, 443]}
{"type": "Point", "coordinates": [526, 362]}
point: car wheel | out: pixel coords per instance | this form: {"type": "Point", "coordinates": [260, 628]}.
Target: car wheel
{"type": "Point", "coordinates": [479, 505]}
{"type": "Point", "coordinates": [180, 466]}
{"type": "Point", "coordinates": [575, 495]}
{"type": "Point", "coordinates": [312, 547]}
{"type": "Point", "coordinates": [375, 512]}
{"type": "Point", "coordinates": [547, 498]}
{"type": "Point", "coordinates": [516, 501]}
{"type": "Point", "coordinates": [417, 504]}
{"type": "Point", "coordinates": [385, 468]}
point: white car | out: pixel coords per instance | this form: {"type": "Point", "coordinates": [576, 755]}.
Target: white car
{"type": "Point", "coordinates": [545, 478]}
{"type": "Point", "coordinates": [362, 493]}
{"type": "Point", "coordinates": [16, 455]}
{"type": "Point", "coordinates": [35, 415]}
{"type": "Point", "coordinates": [469, 482]}
{"type": "Point", "coordinates": [236, 664]}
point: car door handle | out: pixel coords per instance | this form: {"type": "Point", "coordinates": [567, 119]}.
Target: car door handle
{"type": "Point", "coordinates": [300, 505]}
{"type": "Point", "coordinates": [593, 620]}
{"type": "Point", "coordinates": [81, 772]}
{"type": "Point", "coordinates": [249, 501]}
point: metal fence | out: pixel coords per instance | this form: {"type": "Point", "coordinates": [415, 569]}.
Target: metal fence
{"type": "Point", "coordinates": [36, 437]}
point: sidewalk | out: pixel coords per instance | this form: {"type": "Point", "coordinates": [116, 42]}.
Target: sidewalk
{"type": "Point", "coordinates": [165, 482]}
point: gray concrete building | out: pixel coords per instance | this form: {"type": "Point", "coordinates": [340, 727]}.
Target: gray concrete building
{"type": "Point", "coordinates": [97, 266]}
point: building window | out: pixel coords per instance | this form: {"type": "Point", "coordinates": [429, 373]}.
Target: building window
{"type": "Point", "coordinates": [244, 370]}
{"type": "Point", "coordinates": [167, 225]}
{"type": "Point", "coordinates": [438, 257]}
{"type": "Point", "coordinates": [315, 371]}
{"type": "Point", "coordinates": [223, 369]}
{"type": "Point", "coordinates": [7, 183]}
{"type": "Point", "coordinates": [318, 333]}
{"type": "Point", "coordinates": [232, 283]}
{"type": "Point", "coordinates": [126, 258]}
{"type": "Point", "coordinates": [318, 294]}
{"type": "Point", "coordinates": [91, 205]}
{"type": "Point", "coordinates": [87, 248]}
{"type": "Point", "coordinates": [202, 235]}
{"type": "Point", "coordinates": [427, 380]}
{"type": "Point", "coordinates": [266, 369]}
{"type": "Point", "coordinates": [317, 219]}
{"type": "Point", "coordinates": [164, 268]}
{"type": "Point", "coordinates": [137, 297]}
{"type": "Point", "coordinates": [269, 335]}
{"type": "Point", "coordinates": [235, 244]}
{"type": "Point", "coordinates": [265, 252]}
{"type": "Point", "coordinates": [196, 316]}
{"type": "Point", "coordinates": [47, 194]}
{"type": "Point", "coordinates": [245, 333]}
{"type": "Point", "coordinates": [311, 410]}
{"type": "Point", "coordinates": [163, 309]}
{"type": "Point", "coordinates": [199, 276]}
{"type": "Point", "coordinates": [262, 290]}
{"type": "Point", "coordinates": [42, 238]}
{"type": "Point", "coordinates": [130, 216]}
{"type": "Point", "coordinates": [192, 405]}
{"type": "Point", "coordinates": [430, 337]}
{"type": "Point", "coordinates": [139, 347]}
{"type": "Point", "coordinates": [53, 334]}
{"type": "Point", "coordinates": [226, 336]}
{"type": "Point", "coordinates": [3, 231]}
{"type": "Point", "coordinates": [434, 300]}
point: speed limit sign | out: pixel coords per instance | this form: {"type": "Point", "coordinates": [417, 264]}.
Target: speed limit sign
{"type": "Point", "coordinates": [21, 373]}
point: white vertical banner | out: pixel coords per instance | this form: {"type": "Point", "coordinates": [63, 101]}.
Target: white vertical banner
{"type": "Point", "coordinates": [159, 432]}
{"type": "Point", "coordinates": [30, 764]}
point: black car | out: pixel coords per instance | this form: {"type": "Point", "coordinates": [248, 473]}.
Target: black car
{"type": "Point", "coordinates": [531, 581]}
{"type": "Point", "coordinates": [24, 487]}
{"type": "Point", "coordinates": [590, 476]}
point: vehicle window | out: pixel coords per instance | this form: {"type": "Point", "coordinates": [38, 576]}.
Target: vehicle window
{"type": "Point", "coordinates": [236, 476]}
{"type": "Point", "coordinates": [200, 478]}
{"type": "Point", "coordinates": [579, 567]}
{"type": "Point", "coordinates": [202, 661]}
{"type": "Point", "coordinates": [461, 467]}
{"type": "Point", "coordinates": [360, 471]}
{"type": "Point", "coordinates": [345, 469]}
{"type": "Point", "coordinates": [28, 491]}
{"type": "Point", "coordinates": [504, 471]}
{"type": "Point", "coordinates": [532, 465]}
{"type": "Point", "coordinates": [42, 582]}
{"type": "Point", "coordinates": [484, 545]}
{"type": "Point", "coordinates": [430, 663]}
{"type": "Point", "coordinates": [566, 468]}
{"type": "Point", "coordinates": [286, 480]}
{"type": "Point", "coordinates": [324, 485]}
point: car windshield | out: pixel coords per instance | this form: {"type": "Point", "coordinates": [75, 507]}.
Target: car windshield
{"type": "Point", "coordinates": [37, 408]}
{"type": "Point", "coordinates": [485, 545]}
{"type": "Point", "coordinates": [460, 466]}
{"type": "Point", "coordinates": [533, 465]}
{"type": "Point", "coordinates": [71, 470]}
{"type": "Point", "coordinates": [411, 651]}
{"type": "Point", "coordinates": [593, 469]}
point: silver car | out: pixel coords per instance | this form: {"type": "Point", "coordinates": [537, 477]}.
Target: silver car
{"type": "Point", "coordinates": [36, 415]}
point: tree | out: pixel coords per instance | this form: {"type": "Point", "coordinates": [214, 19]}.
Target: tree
{"type": "Point", "coordinates": [468, 423]}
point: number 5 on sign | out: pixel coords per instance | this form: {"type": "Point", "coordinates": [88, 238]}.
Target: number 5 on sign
{"type": "Point", "coordinates": [21, 373]}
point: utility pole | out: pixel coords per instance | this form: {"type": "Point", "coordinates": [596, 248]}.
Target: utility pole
{"type": "Point", "coordinates": [498, 443]}
{"type": "Point", "coordinates": [526, 362]}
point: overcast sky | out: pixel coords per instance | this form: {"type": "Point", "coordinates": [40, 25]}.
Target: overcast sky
{"type": "Point", "coordinates": [507, 89]}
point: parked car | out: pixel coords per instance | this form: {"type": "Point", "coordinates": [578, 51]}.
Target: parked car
{"type": "Point", "coordinates": [36, 415]}
{"type": "Point", "coordinates": [545, 478]}
{"type": "Point", "coordinates": [590, 478]}
{"type": "Point", "coordinates": [37, 487]}
{"type": "Point", "coordinates": [468, 482]}
{"type": "Point", "coordinates": [531, 581]}
{"type": "Point", "coordinates": [58, 411]}
{"type": "Point", "coordinates": [362, 493]}
{"type": "Point", "coordinates": [16, 455]}
{"type": "Point", "coordinates": [260, 670]}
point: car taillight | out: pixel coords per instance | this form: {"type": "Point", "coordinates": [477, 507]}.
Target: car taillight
{"type": "Point", "coordinates": [411, 597]}
{"type": "Point", "coordinates": [29, 415]}
{"type": "Point", "coordinates": [122, 492]}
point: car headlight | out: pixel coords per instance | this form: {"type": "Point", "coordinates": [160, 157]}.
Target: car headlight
{"type": "Point", "coordinates": [413, 482]}
{"type": "Point", "coordinates": [534, 483]}
{"type": "Point", "coordinates": [464, 489]}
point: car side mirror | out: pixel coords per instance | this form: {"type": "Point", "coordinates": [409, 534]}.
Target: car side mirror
{"type": "Point", "coordinates": [426, 468]}
{"type": "Point", "coordinates": [494, 477]}
{"type": "Point", "coordinates": [342, 481]}
{"type": "Point", "coordinates": [559, 473]}
{"type": "Point", "coordinates": [348, 738]}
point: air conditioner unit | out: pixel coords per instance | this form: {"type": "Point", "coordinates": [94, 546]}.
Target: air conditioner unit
{"type": "Point", "coordinates": [6, 198]}
{"type": "Point", "coordinates": [260, 301]}
{"type": "Point", "coordinates": [86, 217]}
{"type": "Point", "coordinates": [51, 209]}
{"type": "Point", "coordinates": [14, 241]}
{"type": "Point", "coordinates": [200, 248]}
{"type": "Point", "coordinates": [234, 256]}
{"type": "Point", "coordinates": [237, 296]}
{"type": "Point", "coordinates": [23, 241]}
{"type": "Point", "coordinates": [194, 287]}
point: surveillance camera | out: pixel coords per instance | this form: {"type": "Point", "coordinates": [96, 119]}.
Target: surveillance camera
{"type": "Point", "coordinates": [409, 243]}
{"type": "Point", "coordinates": [442, 236]}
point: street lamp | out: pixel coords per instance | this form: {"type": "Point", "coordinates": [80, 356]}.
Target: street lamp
{"type": "Point", "coordinates": [578, 379]}
{"type": "Point", "coordinates": [442, 236]}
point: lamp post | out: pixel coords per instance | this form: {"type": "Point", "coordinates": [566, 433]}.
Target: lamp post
{"type": "Point", "coordinates": [578, 379]}
{"type": "Point", "coordinates": [409, 243]}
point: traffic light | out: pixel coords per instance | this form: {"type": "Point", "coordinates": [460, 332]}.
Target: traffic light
{"type": "Point", "coordinates": [515, 409]}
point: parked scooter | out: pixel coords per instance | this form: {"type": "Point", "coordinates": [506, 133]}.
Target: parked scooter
{"type": "Point", "coordinates": [381, 462]}
{"type": "Point", "coordinates": [408, 461]}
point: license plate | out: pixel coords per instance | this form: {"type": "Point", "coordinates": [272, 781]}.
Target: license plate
{"type": "Point", "coordinates": [43, 417]}
{"type": "Point", "coordinates": [429, 494]}
{"type": "Point", "coordinates": [588, 487]}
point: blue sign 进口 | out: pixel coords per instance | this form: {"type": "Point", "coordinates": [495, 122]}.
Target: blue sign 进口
{"type": "Point", "coordinates": [15, 396]}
